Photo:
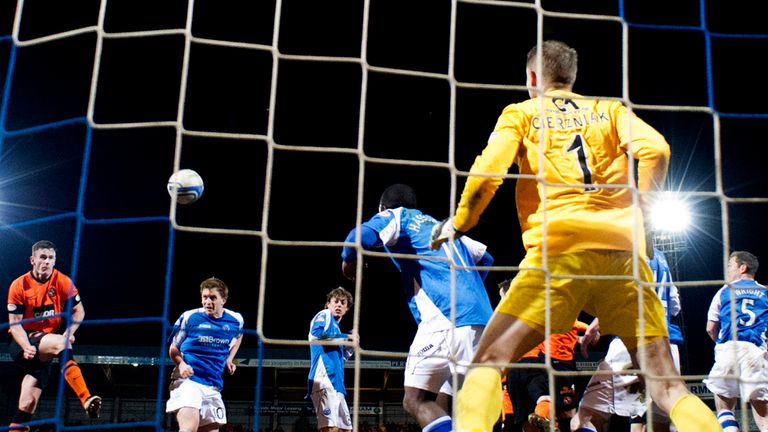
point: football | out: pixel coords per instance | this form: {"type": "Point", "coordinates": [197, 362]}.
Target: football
{"type": "Point", "coordinates": [187, 185]}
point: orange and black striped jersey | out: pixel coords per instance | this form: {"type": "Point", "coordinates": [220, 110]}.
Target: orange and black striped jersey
{"type": "Point", "coordinates": [561, 344]}
{"type": "Point", "coordinates": [572, 152]}
{"type": "Point", "coordinates": [41, 300]}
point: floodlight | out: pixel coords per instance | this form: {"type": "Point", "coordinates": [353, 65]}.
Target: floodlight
{"type": "Point", "coordinates": [670, 213]}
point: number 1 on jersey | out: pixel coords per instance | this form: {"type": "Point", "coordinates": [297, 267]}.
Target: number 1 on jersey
{"type": "Point", "coordinates": [577, 146]}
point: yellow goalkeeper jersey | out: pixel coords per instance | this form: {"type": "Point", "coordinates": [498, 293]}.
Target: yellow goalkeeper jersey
{"type": "Point", "coordinates": [578, 148]}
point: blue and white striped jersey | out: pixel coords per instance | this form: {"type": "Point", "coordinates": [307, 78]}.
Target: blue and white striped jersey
{"type": "Point", "coordinates": [205, 342]}
{"type": "Point", "coordinates": [669, 295]}
{"type": "Point", "coordinates": [427, 280]}
{"type": "Point", "coordinates": [327, 362]}
{"type": "Point", "coordinates": [751, 304]}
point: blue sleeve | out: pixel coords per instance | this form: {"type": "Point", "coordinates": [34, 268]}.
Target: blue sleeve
{"type": "Point", "coordinates": [485, 261]}
{"type": "Point", "coordinates": [368, 238]}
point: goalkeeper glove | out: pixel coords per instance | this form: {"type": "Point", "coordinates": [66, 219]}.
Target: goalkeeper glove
{"type": "Point", "coordinates": [443, 232]}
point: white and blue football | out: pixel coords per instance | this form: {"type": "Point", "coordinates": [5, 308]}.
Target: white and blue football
{"type": "Point", "coordinates": [187, 185]}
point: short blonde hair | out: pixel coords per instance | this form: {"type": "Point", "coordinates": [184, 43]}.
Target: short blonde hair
{"type": "Point", "coordinates": [559, 62]}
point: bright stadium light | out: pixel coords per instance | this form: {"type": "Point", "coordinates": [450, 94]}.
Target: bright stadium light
{"type": "Point", "coordinates": [670, 213]}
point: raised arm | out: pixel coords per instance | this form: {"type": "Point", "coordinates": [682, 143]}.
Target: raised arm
{"type": "Point", "coordinates": [368, 239]}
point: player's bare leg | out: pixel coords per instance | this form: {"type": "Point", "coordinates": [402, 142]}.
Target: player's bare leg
{"type": "Point", "coordinates": [445, 401]}
{"type": "Point", "coordinates": [29, 394]}
{"type": "Point", "coordinates": [210, 427]}
{"type": "Point", "coordinates": [687, 411]}
{"type": "Point", "coordinates": [725, 408]}
{"type": "Point", "coordinates": [422, 405]}
{"type": "Point", "coordinates": [659, 363]}
{"type": "Point", "coordinates": [54, 345]}
{"type": "Point", "coordinates": [760, 413]}
{"type": "Point", "coordinates": [505, 339]}
{"type": "Point", "coordinates": [51, 345]}
{"type": "Point", "coordinates": [188, 419]}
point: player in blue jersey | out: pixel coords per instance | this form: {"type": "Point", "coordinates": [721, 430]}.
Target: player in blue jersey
{"type": "Point", "coordinates": [439, 348]}
{"type": "Point", "coordinates": [620, 394]}
{"type": "Point", "coordinates": [204, 342]}
{"type": "Point", "coordinates": [325, 384]}
{"type": "Point", "coordinates": [740, 348]}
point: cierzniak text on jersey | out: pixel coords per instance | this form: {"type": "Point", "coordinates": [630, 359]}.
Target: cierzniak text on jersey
{"type": "Point", "coordinates": [568, 121]}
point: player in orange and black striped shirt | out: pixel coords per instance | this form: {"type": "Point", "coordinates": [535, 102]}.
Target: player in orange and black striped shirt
{"type": "Point", "coordinates": [36, 301]}
{"type": "Point", "coordinates": [528, 388]}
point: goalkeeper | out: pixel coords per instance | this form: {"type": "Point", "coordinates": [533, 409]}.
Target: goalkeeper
{"type": "Point", "coordinates": [578, 217]}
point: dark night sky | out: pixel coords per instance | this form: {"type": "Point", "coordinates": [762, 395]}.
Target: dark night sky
{"type": "Point", "coordinates": [114, 236]}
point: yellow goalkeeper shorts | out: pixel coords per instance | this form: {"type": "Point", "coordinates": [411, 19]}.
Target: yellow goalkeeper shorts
{"type": "Point", "coordinates": [598, 282]}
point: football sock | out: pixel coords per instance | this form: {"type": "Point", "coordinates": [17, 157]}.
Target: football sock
{"type": "Point", "coordinates": [478, 405]}
{"type": "Point", "coordinates": [65, 356]}
{"type": "Point", "coordinates": [728, 421]}
{"type": "Point", "coordinates": [440, 424]}
{"type": "Point", "coordinates": [690, 414]}
{"type": "Point", "coordinates": [542, 408]}
{"type": "Point", "coordinates": [74, 378]}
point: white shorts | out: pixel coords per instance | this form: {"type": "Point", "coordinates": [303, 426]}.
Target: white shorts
{"type": "Point", "coordinates": [186, 393]}
{"type": "Point", "coordinates": [331, 409]}
{"type": "Point", "coordinates": [435, 355]}
{"type": "Point", "coordinates": [612, 393]}
{"type": "Point", "coordinates": [745, 360]}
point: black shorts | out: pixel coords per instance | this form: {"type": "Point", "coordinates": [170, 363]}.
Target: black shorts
{"type": "Point", "coordinates": [38, 369]}
{"type": "Point", "coordinates": [526, 386]}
